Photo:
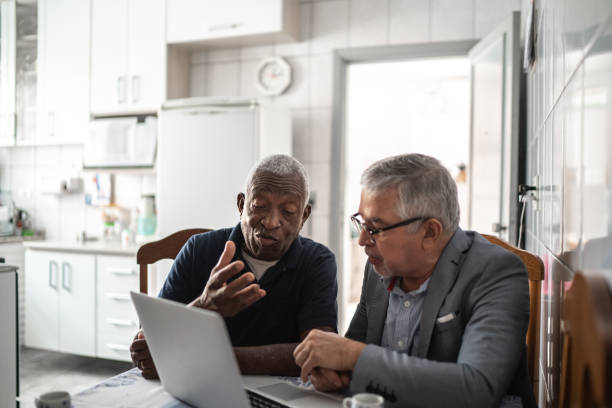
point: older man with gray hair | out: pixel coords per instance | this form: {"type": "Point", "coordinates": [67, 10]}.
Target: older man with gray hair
{"type": "Point", "coordinates": [443, 313]}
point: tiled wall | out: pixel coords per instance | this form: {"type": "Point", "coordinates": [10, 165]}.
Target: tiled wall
{"type": "Point", "coordinates": [30, 173]}
{"type": "Point", "coordinates": [325, 26]}
{"type": "Point", "coordinates": [570, 152]}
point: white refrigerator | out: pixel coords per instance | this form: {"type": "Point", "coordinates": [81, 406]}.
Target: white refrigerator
{"type": "Point", "coordinates": [206, 147]}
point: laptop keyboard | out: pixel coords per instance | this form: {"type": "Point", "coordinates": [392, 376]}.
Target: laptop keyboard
{"type": "Point", "coordinates": [259, 401]}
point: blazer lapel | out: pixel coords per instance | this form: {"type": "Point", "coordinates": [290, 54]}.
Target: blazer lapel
{"type": "Point", "coordinates": [442, 280]}
{"type": "Point", "coordinates": [377, 313]}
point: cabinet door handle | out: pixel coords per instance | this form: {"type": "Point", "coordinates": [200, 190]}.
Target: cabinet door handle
{"type": "Point", "coordinates": [53, 274]}
{"type": "Point", "coordinates": [225, 26]}
{"type": "Point", "coordinates": [66, 276]}
{"type": "Point", "coordinates": [120, 322]}
{"type": "Point", "coordinates": [118, 347]}
{"type": "Point", "coordinates": [118, 296]}
{"type": "Point", "coordinates": [135, 88]}
{"type": "Point", "coordinates": [122, 272]}
{"type": "Point", "coordinates": [121, 89]}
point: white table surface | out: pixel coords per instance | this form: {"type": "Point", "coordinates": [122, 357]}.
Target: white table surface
{"type": "Point", "coordinates": [126, 390]}
{"type": "Point", "coordinates": [131, 390]}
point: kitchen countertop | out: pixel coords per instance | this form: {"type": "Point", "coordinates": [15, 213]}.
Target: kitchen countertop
{"type": "Point", "coordinates": [90, 247]}
{"type": "Point", "coordinates": [12, 239]}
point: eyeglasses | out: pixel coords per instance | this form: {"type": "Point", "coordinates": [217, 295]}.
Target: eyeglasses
{"type": "Point", "coordinates": [360, 225]}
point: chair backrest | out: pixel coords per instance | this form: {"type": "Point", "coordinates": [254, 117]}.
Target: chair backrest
{"type": "Point", "coordinates": [586, 368]}
{"type": "Point", "coordinates": [165, 248]}
{"type": "Point", "coordinates": [535, 273]}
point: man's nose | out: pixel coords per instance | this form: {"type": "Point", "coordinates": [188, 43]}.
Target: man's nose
{"type": "Point", "coordinates": [271, 220]}
{"type": "Point", "coordinates": [365, 239]}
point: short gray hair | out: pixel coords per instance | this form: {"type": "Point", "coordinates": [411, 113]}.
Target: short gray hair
{"type": "Point", "coordinates": [424, 185]}
{"type": "Point", "coordinates": [281, 165]}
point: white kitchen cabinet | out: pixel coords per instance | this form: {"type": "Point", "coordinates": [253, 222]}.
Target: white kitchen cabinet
{"type": "Point", "coordinates": [227, 21]}
{"type": "Point", "coordinates": [63, 71]}
{"type": "Point", "coordinates": [60, 302]}
{"type": "Point", "coordinates": [128, 56]}
{"type": "Point", "coordinates": [117, 318]}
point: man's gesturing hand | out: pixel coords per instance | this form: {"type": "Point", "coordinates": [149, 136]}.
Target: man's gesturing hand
{"type": "Point", "coordinates": [326, 350]}
{"type": "Point", "coordinates": [229, 298]}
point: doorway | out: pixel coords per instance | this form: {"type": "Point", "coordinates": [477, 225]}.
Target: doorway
{"type": "Point", "coordinates": [392, 107]}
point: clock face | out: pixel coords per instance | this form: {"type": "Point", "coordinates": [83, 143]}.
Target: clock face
{"type": "Point", "coordinates": [273, 76]}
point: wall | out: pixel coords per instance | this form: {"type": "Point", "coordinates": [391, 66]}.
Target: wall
{"type": "Point", "coordinates": [29, 173]}
{"type": "Point", "coordinates": [325, 26]}
{"type": "Point", "coordinates": [569, 149]}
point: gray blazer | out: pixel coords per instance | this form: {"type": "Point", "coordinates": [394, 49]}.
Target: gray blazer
{"type": "Point", "coordinates": [470, 348]}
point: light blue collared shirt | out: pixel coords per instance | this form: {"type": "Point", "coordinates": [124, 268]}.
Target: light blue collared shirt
{"type": "Point", "coordinates": [403, 316]}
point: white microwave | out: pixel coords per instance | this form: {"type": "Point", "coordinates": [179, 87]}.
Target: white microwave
{"type": "Point", "coordinates": [121, 142]}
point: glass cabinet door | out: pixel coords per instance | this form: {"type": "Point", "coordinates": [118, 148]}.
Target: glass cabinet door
{"type": "Point", "coordinates": [25, 70]}
{"type": "Point", "coordinates": [18, 55]}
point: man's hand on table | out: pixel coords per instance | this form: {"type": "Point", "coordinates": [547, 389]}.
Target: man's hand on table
{"type": "Point", "coordinates": [326, 380]}
{"type": "Point", "coordinates": [228, 299]}
{"type": "Point", "coordinates": [141, 357]}
{"type": "Point", "coordinates": [327, 358]}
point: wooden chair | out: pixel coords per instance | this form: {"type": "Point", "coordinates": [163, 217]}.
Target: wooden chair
{"type": "Point", "coordinates": [586, 367]}
{"type": "Point", "coordinates": [165, 248]}
{"type": "Point", "coordinates": [535, 273]}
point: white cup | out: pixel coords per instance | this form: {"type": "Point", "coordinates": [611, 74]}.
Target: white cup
{"type": "Point", "coordinates": [364, 400]}
{"type": "Point", "coordinates": [55, 399]}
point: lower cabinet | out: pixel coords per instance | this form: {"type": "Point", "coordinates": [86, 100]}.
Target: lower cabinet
{"type": "Point", "coordinates": [60, 302]}
{"type": "Point", "coordinates": [117, 319]}
{"type": "Point", "coordinates": [80, 303]}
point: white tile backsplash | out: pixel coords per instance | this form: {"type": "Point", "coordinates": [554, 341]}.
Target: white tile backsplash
{"type": "Point", "coordinates": [320, 135]}
{"type": "Point", "coordinates": [300, 125]}
{"type": "Point", "coordinates": [409, 21]}
{"type": "Point", "coordinates": [23, 156]}
{"type": "Point", "coordinates": [321, 78]}
{"type": "Point", "coordinates": [452, 20]}
{"type": "Point", "coordinates": [320, 186]}
{"type": "Point", "coordinates": [223, 79]}
{"type": "Point", "coordinates": [298, 95]}
{"type": "Point", "coordinates": [368, 23]}
{"type": "Point", "coordinates": [223, 55]}
{"type": "Point", "coordinates": [199, 80]}
{"type": "Point", "coordinates": [329, 25]}
{"type": "Point", "coordinates": [256, 53]}
{"type": "Point", "coordinates": [248, 75]}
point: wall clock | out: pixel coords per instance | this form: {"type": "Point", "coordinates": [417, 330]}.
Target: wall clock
{"type": "Point", "coordinates": [273, 76]}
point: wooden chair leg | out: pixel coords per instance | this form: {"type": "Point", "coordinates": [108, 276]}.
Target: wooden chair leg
{"type": "Point", "coordinates": [144, 279]}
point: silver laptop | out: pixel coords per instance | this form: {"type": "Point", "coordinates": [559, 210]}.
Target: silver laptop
{"type": "Point", "coordinates": [196, 364]}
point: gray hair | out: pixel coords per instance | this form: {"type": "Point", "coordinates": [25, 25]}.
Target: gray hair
{"type": "Point", "coordinates": [424, 185]}
{"type": "Point", "coordinates": [281, 165]}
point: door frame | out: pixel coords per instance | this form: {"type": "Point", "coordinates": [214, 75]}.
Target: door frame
{"type": "Point", "coordinates": [341, 59]}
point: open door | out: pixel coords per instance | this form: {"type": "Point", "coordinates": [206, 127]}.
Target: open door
{"type": "Point", "coordinates": [494, 131]}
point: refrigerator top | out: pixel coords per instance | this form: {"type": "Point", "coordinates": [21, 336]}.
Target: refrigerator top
{"type": "Point", "coordinates": [210, 102]}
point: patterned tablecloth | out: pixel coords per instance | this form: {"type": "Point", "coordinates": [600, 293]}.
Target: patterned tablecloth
{"type": "Point", "coordinates": [126, 390]}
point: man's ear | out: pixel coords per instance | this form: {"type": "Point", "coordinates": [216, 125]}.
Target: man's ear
{"type": "Point", "coordinates": [240, 202]}
{"type": "Point", "coordinates": [306, 213]}
{"type": "Point", "coordinates": [433, 233]}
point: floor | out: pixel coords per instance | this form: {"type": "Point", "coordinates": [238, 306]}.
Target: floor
{"type": "Point", "coordinates": [41, 371]}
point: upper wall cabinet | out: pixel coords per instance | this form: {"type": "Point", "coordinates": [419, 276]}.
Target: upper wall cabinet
{"type": "Point", "coordinates": [128, 56]}
{"type": "Point", "coordinates": [232, 22]}
{"type": "Point", "coordinates": [63, 71]}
